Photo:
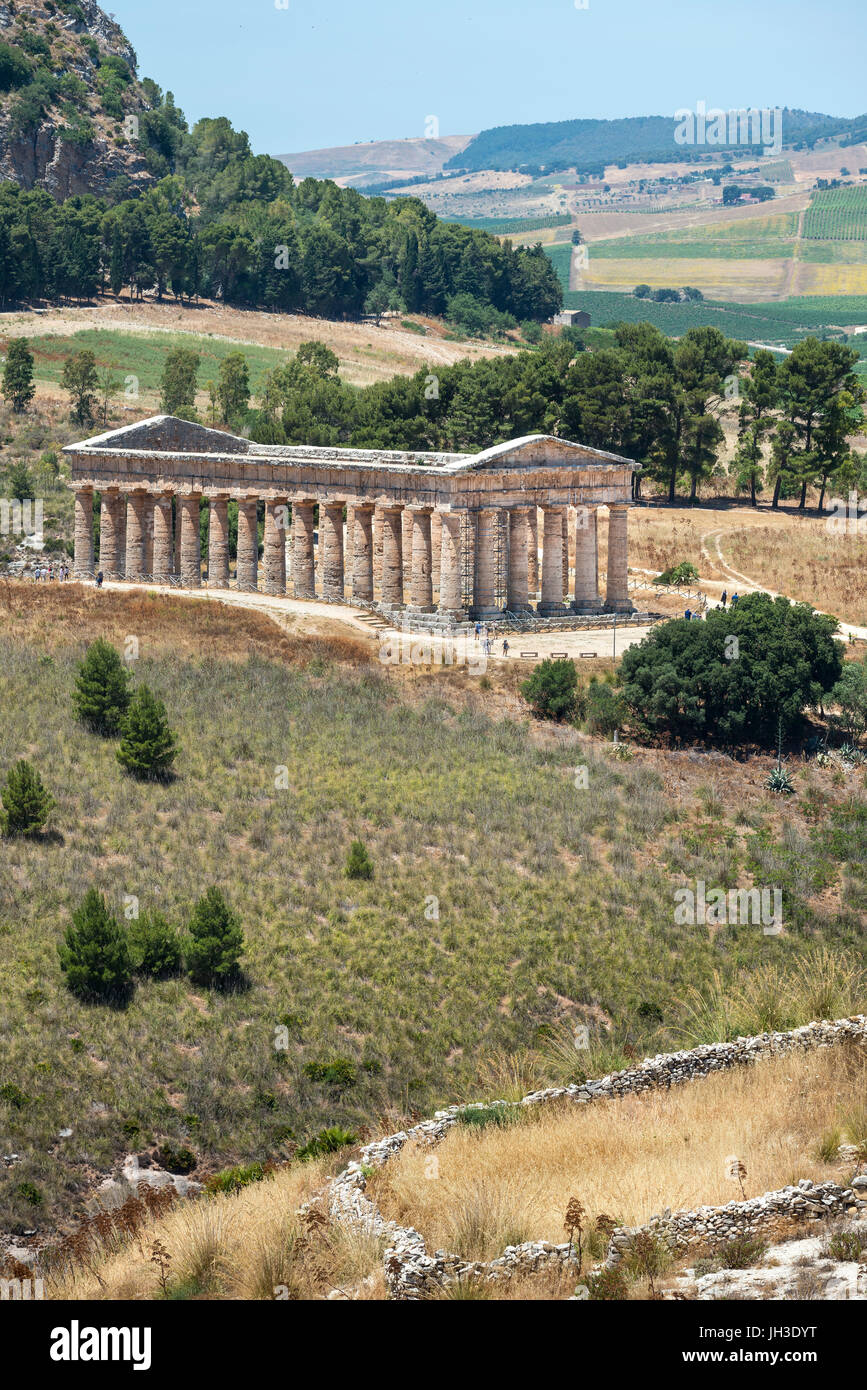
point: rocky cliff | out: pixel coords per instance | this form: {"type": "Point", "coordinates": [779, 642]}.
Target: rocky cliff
{"type": "Point", "coordinates": [68, 87]}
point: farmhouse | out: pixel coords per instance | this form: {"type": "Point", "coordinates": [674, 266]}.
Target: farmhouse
{"type": "Point", "coordinates": [453, 534]}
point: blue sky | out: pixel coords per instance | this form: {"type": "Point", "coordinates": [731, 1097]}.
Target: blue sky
{"type": "Point", "coordinates": [330, 72]}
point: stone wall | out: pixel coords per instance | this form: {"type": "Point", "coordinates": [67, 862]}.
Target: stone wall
{"type": "Point", "coordinates": [412, 1273]}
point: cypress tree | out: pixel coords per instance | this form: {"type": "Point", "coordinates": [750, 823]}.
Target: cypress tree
{"type": "Point", "coordinates": [101, 696]}
{"type": "Point", "coordinates": [18, 387]}
{"type": "Point", "coordinates": [148, 746]}
{"type": "Point", "coordinates": [26, 803]}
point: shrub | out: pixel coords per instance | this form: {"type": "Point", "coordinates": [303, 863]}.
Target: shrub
{"type": "Point", "coordinates": [176, 1159]}
{"type": "Point", "coordinates": [327, 1141]}
{"type": "Point", "coordinates": [358, 862]}
{"type": "Point", "coordinates": [684, 573]}
{"type": "Point", "coordinates": [13, 1096]}
{"type": "Point", "coordinates": [148, 747]}
{"type": "Point", "coordinates": [233, 1179]}
{"type": "Point", "coordinates": [102, 694]}
{"type": "Point", "coordinates": [551, 689]}
{"type": "Point", "coordinates": [216, 940]}
{"type": "Point", "coordinates": [741, 1253]}
{"type": "Point", "coordinates": [15, 71]}
{"type": "Point", "coordinates": [339, 1071]}
{"type": "Point", "coordinates": [482, 1116]}
{"type": "Point", "coordinates": [26, 803]}
{"type": "Point", "coordinates": [31, 1193]}
{"type": "Point", "coordinates": [607, 1285]}
{"type": "Point", "coordinates": [155, 947]}
{"type": "Point", "coordinates": [95, 954]}
{"type": "Point", "coordinates": [846, 1245]}
{"type": "Point", "coordinates": [604, 711]}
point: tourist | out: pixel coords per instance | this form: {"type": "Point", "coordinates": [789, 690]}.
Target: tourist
{"type": "Point", "coordinates": [99, 580]}
{"type": "Point", "coordinates": [734, 599]}
{"type": "Point", "coordinates": [688, 614]}
{"type": "Point", "coordinates": [505, 647]}
{"type": "Point", "coordinates": [724, 597]}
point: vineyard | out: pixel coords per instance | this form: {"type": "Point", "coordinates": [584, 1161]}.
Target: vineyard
{"type": "Point", "coordinates": [504, 226]}
{"type": "Point", "coordinates": [837, 214]}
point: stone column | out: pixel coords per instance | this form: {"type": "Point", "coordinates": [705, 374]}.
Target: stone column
{"type": "Point", "coordinates": [82, 565]}
{"type": "Point", "coordinates": [149, 535]}
{"type": "Point", "coordinates": [486, 578]}
{"type": "Point", "coordinates": [565, 550]}
{"type": "Point", "coordinates": [533, 544]}
{"type": "Point", "coordinates": [586, 562]}
{"type": "Point", "coordinates": [377, 550]}
{"type": "Point", "coordinates": [519, 560]}
{"type": "Point", "coordinates": [391, 589]}
{"type": "Point", "coordinates": [191, 545]}
{"type": "Point", "coordinates": [362, 552]}
{"type": "Point", "coordinates": [552, 562]}
{"type": "Point", "coordinates": [331, 549]}
{"type": "Point", "coordinates": [163, 544]}
{"type": "Point", "coordinates": [421, 591]}
{"type": "Point", "coordinates": [120, 532]}
{"type": "Point", "coordinates": [247, 563]}
{"type": "Point", "coordinates": [274, 551]}
{"type": "Point", "coordinates": [135, 537]}
{"type": "Point", "coordinates": [303, 575]}
{"type": "Point", "coordinates": [176, 546]}
{"type": "Point", "coordinates": [406, 549]}
{"type": "Point", "coordinates": [450, 564]}
{"type": "Point", "coordinates": [617, 593]}
{"type": "Point", "coordinates": [436, 548]}
{"type": "Point", "coordinates": [109, 547]}
{"type": "Point", "coordinates": [218, 543]}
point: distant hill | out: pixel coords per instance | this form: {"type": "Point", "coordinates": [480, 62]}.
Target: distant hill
{"type": "Point", "coordinates": [591, 144]}
{"type": "Point", "coordinates": [374, 161]}
{"type": "Point", "coordinates": [67, 84]}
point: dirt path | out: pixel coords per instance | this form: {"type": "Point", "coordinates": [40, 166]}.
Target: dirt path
{"type": "Point", "coordinates": [716, 558]}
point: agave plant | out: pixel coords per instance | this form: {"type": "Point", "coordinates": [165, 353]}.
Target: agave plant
{"type": "Point", "coordinates": [780, 781]}
{"type": "Point", "coordinates": [850, 754]}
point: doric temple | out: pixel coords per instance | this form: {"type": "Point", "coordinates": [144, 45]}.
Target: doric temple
{"type": "Point", "coordinates": [454, 534]}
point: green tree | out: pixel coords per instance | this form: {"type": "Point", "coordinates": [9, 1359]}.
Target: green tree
{"type": "Point", "coordinates": [81, 379]}
{"type": "Point", "coordinates": [216, 941]}
{"type": "Point", "coordinates": [850, 695]}
{"type": "Point", "coordinates": [233, 387]}
{"type": "Point", "coordinates": [94, 955]}
{"type": "Point", "coordinates": [101, 697]}
{"type": "Point", "coordinates": [155, 947]}
{"type": "Point", "coordinates": [18, 385]}
{"type": "Point", "coordinates": [760, 394]}
{"type": "Point", "coordinates": [735, 677]}
{"type": "Point", "coordinates": [19, 483]}
{"type": "Point", "coordinates": [26, 803]}
{"type": "Point", "coordinates": [178, 383]}
{"type": "Point", "coordinates": [147, 747]}
{"type": "Point", "coordinates": [821, 397]}
{"type": "Point", "coordinates": [358, 862]}
{"type": "Point", "coordinates": [551, 689]}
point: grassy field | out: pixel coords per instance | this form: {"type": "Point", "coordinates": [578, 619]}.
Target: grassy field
{"type": "Point", "coordinates": [631, 1157]}
{"type": "Point", "coordinates": [554, 904]}
{"type": "Point", "coordinates": [761, 238]}
{"type": "Point", "coordinates": [143, 355]}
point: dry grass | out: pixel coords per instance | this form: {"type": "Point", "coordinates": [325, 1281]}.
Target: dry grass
{"type": "Point", "coordinates": [627, 1158]}
{"type": "Point", "coordinates": [248, 1245]}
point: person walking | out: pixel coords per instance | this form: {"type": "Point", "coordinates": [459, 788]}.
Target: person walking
{"type": "Point", "coordinates": [505, 647]}
{"type": "Point", "coordinates": [734, 599]}
{"type": "Point", "coordinates": [688, 614]}
{"type": "Point", "coordinates": [99, 578]}
{"type": "Point", "coordinates": [724, 597]}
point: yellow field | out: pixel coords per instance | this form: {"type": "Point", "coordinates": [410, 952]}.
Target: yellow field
{"type": "Point", "coordinates": [828, 279]}
{"type": "Point", "coordinates": [631, 1157]}
{"type": "Point", "coordinates": [740, 281]}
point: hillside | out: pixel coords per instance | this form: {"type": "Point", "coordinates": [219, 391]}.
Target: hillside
{"type": "Point", "coordinates": [588, 143]}
{"type": "Point", "coordinates": [372, 161]}
{"type": "Point", "coordinates": [67, 84]}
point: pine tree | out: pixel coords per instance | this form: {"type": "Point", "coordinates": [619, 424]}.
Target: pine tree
{"type": "Point", "coordinates": [26, 803]}
{"type": "Point", "coordinates": [358, 862]}
{"type": "Point", "coordinates": [216, 940]}
{"type": "Point", "coordinates": [95, 955]}
{"type": "Point", "coordinates": [18, 387]}
{"type": "Point", "coordinates": [101, 696]}
{"type": "Point", "coordinates": [148, 746]}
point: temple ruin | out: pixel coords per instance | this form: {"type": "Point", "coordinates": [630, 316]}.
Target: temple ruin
{"type": "Point", "coordinates": [454, 535]}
